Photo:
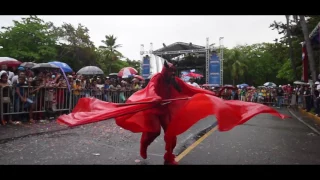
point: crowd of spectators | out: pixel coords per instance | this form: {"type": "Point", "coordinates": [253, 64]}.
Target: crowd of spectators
{"type": "Point", "coordinates": [44, 95]}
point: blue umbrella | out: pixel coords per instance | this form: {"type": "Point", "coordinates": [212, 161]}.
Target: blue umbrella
{"type": "Point", "coordinates": [244, 85]}
{"type": "Point", "coordinates": [65, 67]}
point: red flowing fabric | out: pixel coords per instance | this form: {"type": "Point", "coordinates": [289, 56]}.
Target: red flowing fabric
{"type": "Point", "coordinates": [183, 113]}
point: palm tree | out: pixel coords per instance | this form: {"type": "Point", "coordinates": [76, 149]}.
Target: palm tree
{"type": "Point", "coordinates": [238, 67]}
{"type": "Point", "coordinates": [110, 50]}
{"type": "Point", "coordinates": [111, 47]}
{"type": "Point", "coordinates": [309, 47]}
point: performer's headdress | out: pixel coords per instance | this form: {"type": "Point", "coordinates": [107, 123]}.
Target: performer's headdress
{"type": "Point", "coordinates": [169, 71]}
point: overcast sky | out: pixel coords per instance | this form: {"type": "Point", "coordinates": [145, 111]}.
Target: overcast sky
{"type": "Point", "coordinates": [132, 31]}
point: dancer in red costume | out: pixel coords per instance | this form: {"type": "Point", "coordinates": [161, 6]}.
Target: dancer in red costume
{"type": "Point", "coordinates": [166, 102]}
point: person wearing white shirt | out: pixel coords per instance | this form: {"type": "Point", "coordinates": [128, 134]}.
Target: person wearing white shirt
{"type": "Point", "coordinates": [192, 83]}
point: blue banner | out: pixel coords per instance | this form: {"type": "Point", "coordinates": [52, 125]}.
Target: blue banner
{"type": "Point", "coordinates": [146, 67]}
{"type": "Point", "coordinates": [214, 70]}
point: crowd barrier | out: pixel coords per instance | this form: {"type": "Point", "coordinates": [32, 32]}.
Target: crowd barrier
{"type": "Point", "coordinates": [286, 100]}
{"type": "Point", "coordinates": [47, 99]}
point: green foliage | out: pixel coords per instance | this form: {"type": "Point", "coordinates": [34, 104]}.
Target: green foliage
{"type": "Point", "coordinates": [296, 37]}
{"type": "Point", "coordinates": [30, 39]}
{"type": "Point", "coordinates": [33, 39]}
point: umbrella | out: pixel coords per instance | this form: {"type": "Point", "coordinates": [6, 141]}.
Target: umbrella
{"type": "Point", "coordinates": [28, 64]}
{"type": "Point", "coordinates": [244, 85]}
{"type": "Point", "coordinates": [45, 66]}
{"type": "Point", "coordinates": [299, 83]}
{"type": "Point", "coordinates": [8, 61]}
{"type": "Point", "coordinates": [251, 87]}
{"type": "Point", "coordinates": [113, 74]}
{"type": "Point", "coordinates": [211, 85]}
{"type": "Point", "coordinates": [90, 70]}
{"type": "Point", "coordinates": [65, 67]}
{"type": "Point", "coordinates": [127, 71]}
{"type": "Point", "coordinates": [268, 84]}
{"type": "Point", "coordinates": [194, 75]}
{"type": "Point", "coordinates": [240, 86]}
{"type": "Point", "coordinates": [138, 77]}
{"type": "Point", "coordinates": [228, 85]}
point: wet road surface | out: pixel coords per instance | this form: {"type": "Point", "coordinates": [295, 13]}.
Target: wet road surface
{"type": "Point", "coordinates": [99, 143]}
{"type": "Point", "coordinates": [263, 140]}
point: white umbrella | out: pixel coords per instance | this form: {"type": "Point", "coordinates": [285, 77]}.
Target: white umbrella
{"type": "Point", "coordinates": [90, 70]}
{"type": "Point", "coordinates": [270, 84]}
{"type": "Point", "coordinates": [299, 83]}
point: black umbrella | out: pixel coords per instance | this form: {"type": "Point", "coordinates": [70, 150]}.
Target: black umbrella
{"type": "Point", "coordinates": [28, 64]}
{"type": "Point", "coordinates": [90, 70]}
{"type": "Point", "coordinates": [44, 66]}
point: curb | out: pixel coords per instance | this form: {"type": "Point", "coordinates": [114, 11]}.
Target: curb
{"type": "Point", "coordinates": [310, 115]}
{"type": "Point", "coordinates": [303, 122]}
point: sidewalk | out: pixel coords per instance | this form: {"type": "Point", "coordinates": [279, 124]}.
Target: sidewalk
{"type": "Point", "coordinates": [9, 131]}
{"type": "Point", "coordinates": [305, 118]}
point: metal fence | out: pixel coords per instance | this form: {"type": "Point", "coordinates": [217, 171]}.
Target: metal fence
{"type": "Point", "coordinates": [269, 99]}
{"type": "Point", "coordinates": [46, 100]}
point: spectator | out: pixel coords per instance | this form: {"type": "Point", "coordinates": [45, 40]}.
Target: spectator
{"type": "Point", "coordinates": [4, 96]}
{"type": "Point", "coordinates": [317, 98]}
{"type": "Point", "coordinates": [21, 101]}
{"type": "Point", "coordinates": [136, 86]}
{"type": "Point", "coordinates": [76, 92]}
{"type": "Point", "coordinates": [307, 97]}
{"type": "Point", "coordinates": [280, 95]}
{"type": "Point", "coordinates": [193, 83]}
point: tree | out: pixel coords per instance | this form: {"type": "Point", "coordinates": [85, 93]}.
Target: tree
{"type": "Point", "coordinates": [30, 39]}
{"type": "Point", "coordinates": [297, 36]}
{"type": "Point", "coordinates": [237, 64]}
{"type": "Point", "coordinates": [288, 32]}
{"type": "Point", "coordinates": [75, 47]}
{"type": "Point", "coordinates": [309, 48]}
{"type": "Point", "coordinates": [109, 51]}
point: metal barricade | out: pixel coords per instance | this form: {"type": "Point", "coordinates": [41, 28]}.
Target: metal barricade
{"type": "Point", "coordinates": [114, 96]}
{"type": "Point", "coordinates": [33, 100]}
{"type": "Point", "coordinates": [48, 99]}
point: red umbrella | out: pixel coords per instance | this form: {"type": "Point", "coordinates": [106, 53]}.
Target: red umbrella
{"type": "Point", "coordinates": [194, 75]}
{"type": "Point", "coordinates": [8, 61]}
{"type": "Point", "coordinates": [127, 71]}
{"type": "Point", "coordinates": [138, 77]}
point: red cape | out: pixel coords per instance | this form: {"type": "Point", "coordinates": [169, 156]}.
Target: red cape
{"type": "Point", "coordinates": [184, 113]}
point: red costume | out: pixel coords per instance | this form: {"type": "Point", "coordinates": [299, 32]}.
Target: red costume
{"type": "Point", "coordinates": [166, 102]}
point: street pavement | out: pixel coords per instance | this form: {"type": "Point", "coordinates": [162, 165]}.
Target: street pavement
{"type": "Point", "coordinates": [263, 140]}
{"type": "Point", "coordinates": [99, 143]}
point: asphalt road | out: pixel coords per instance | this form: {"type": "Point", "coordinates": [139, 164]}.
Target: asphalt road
{"type": "Point", "coordinates": [263, 140]}
{"type": "Point", "coordinates": [99, 143]}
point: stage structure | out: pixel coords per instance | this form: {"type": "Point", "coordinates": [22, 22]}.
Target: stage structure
{"type": "Point", "coordinates": [213, 63]}
{"type": "Point", "coordinates": [146, 59]}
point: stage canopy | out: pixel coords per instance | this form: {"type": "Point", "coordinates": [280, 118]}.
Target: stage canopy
{"type": "Point", "coordinates": [178, 46]}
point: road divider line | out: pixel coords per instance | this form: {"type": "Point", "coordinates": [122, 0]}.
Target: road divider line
{"type": "Point", "coordinates": [195, 144]}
